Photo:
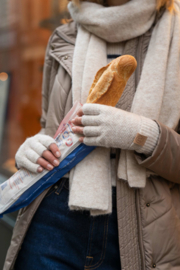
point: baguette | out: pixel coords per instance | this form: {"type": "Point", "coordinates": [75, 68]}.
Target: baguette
{"type": "Point", "coordinates": [110, 81]}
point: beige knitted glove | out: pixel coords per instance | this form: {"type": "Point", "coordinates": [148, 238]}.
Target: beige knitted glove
{"type": "Point", "coordinates": [111, 127]}
{"type": "Point", "coordinates": [29, 152]}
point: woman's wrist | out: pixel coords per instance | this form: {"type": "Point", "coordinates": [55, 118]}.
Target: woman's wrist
{"type": "Point", "coordinates": [148, 137]}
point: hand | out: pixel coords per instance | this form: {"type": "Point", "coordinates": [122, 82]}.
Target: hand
{"type": "Point", "coordinates": [38, 152]}
{"type": "Point", "coordinates": [107, 126]}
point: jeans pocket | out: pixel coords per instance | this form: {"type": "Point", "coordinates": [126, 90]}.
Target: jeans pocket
{"type": "Point", "coordinates": [97, 243]}
{"type": "Point", "coordinates": [58, 186]}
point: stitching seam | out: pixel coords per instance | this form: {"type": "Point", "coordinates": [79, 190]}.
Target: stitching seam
{"type": "Point", "coordinates": [103, 249]}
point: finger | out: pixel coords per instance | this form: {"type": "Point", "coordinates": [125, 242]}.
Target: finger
{"type": "Point", "coordinates": [32, 155]}
{"type": "Point", "coordinates": [77, 121]}
{"type": "Point", "coordinates": [44, 164]}
{"type": "Point", "coordinates": [46, 140]}
{"type": "Point", "coordinates": [50, 158]}
{"type": "Point", "coordinates": [91, 109]}
{"type": "Point", "coordinates": [90, 120]}
{"type": "Point", "coordinates": [40, 169]}
{"type": "Point", "coordinates": [91, 131]}
{"type": "Point", "coordinates": [80, 112]}
{"type": "Point", "coordinates": [28, 165]}
{"type": "Point", "coordinates": [91, 141]}
{"type": "Point", "coordinates": [78, 130]}
{"type": "Point", "coordinates": [38, 147]}
{"type": "Point", "coordinates": [81, 139]}
{"type": "Point", "coordinates": [55, 150]}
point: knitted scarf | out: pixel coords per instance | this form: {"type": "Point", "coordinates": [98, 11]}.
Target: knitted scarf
{"type": "Point", "coordinates": [157, 95]}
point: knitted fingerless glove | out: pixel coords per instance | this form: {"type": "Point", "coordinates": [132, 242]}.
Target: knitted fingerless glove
{"type": "Point", "coordinates": [111, 127]}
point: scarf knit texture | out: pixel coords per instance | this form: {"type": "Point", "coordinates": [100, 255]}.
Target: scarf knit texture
{"type": "Point", "coordinates": [157, 96]}
{"type": "Point", "coordinates": [115, 50]}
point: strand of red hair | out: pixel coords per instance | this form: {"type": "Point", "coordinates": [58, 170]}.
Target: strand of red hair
{"type": "Point", "coordinates": [169, 4]}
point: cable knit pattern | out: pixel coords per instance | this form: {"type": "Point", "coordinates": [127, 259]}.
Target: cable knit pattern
{"type": "Point", "coordinates": [114, 49]}
{"type": "Point", "coordinates": [127, 218]}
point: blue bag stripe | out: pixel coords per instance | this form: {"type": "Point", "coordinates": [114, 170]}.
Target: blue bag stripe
{"type": "Point", "coordinates": [51, 177]}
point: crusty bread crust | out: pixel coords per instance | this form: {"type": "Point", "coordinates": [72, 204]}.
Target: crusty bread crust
{"type": "Point", "coordinates": [110, 81]}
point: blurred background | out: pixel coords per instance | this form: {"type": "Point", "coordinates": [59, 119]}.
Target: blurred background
{"type": "Point", "coordinates": [25, 27]}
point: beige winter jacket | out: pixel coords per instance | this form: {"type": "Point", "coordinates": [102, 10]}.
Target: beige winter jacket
{"type": "Point", "coordinates": [149, 218]}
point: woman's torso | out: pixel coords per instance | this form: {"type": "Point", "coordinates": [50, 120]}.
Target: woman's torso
{"type": "Point", "coordinates": [140, 228]}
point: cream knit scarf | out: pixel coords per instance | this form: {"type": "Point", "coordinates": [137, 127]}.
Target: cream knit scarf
{"type": "Point", "coordinates": [157, 95]}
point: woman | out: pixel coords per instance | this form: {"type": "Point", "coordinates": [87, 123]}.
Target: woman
{"type": "Point", "coordinates": [148, 210]}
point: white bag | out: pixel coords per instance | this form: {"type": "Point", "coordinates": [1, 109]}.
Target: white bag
{"type": "Point", "coordinates": [22, 180]}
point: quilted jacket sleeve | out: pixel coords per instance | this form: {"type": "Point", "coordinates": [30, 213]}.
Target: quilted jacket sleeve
{"type": "Point", "coordinates": [45, 86]}
{"type": "Point", "coordinates": [165, 159]}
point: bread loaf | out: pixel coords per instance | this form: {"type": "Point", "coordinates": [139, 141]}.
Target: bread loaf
{"type": "Point", "coordinates": [110, 81]}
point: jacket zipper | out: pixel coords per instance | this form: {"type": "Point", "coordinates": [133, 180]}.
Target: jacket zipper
{"type": "Point", "coordinates": [137, 76]}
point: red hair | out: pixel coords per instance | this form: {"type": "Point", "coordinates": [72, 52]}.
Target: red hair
{"type": "Point", "coordinates": [169, 4]}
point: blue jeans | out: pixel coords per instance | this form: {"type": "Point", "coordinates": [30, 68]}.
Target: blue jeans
{"type": "Point", "coordinates": [60, 239]}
